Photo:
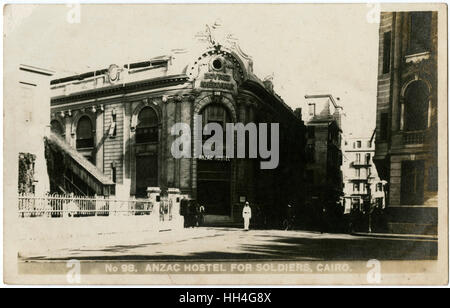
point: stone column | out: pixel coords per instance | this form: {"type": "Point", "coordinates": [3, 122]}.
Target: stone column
{"type": "Point", "coordinates": [185, 163]}
{"type": "Point", "coordinates": [126, 147]}
{"type": "Point", "coordinates": [99, 124]}
{"type": "Point", "coordinates": [68, 129]}
{"type": "Point", "coordinates": [170, 161]}
{"type": "Point", "coordinates": [395, 93]}
{"type": "Point", "coordinates": [132, 154]}
{"type": "Point", "coordinates": [154, 196]}
{"type": "Point", "coordinates": [174, 197]}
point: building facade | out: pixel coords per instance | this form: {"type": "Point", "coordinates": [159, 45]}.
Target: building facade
{"type": "Point", "coordinates": [362, 186]}
{"type": "Point", "coordinates": [121, 120]}
{"type": "Point", "coordinates": [406, 133]}
{"type": "Point", "coordinates": [31, 85]}
{"type": "Point", "coordinates": [323, 153]}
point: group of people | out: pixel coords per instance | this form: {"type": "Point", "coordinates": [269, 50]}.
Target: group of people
{"type": "Point", "coordinates": [287, 224]}
{"type": "Point", "coordinates": [193, 212]}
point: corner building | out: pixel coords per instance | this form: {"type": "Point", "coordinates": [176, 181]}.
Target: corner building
{"type": "Point", "coordinates": [120, 119]}
{"type": "Point", "coordinates": [406, 132]}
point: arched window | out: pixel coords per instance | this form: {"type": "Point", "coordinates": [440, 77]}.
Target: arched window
{"type": "Point", "coordinates": [57, 128]}
{"type": "Point", "coordinates": [215, 113]}
{"type": "Point", "coordinates": [147, 126]}
{"type": "Point", "coordinates": [85, 134]}
{"type": "Point", "coordinates": [416, 106]}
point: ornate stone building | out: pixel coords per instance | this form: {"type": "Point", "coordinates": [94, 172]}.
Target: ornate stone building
{"type": "Point", "coordinates": [120, 119]}
{"type": "Point", "coordinates": [406, 133]}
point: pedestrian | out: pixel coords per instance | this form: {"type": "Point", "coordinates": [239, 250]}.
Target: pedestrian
{"type": "Point", "coordinates": [197, 214]}
{"type": "Point", "coordinates": [247, 215]}
{"type": "Point", "coordinates": [289, 221]}
{"type": "Point", "coordinates": [201, 213]}
{"type": "Point", "coordinates": [323, 220]}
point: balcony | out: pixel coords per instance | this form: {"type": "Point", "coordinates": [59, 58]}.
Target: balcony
{"type": "Point", "coordinates": [414, 137]}
{"type": "Point", "coordinates": [360, 163]}
{"type": "Point", "coordinates": [358, 178]}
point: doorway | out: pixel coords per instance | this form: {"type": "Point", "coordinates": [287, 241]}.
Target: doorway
{"type": "Point", "coordinates": [412, 177]}
{"type": "Point", "coordinates": [146, 174]}
{"type": "Point", "coordinates": [214, 186]}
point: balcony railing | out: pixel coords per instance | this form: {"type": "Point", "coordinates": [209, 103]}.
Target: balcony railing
{"type": "Point", "coordinates": [360, 163]}
{"type": "Point", "coordinates": [414, 137]}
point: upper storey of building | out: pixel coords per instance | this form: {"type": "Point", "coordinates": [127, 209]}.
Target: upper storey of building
{"type": "Point", "coordinates": [358, 144]}
{"type": "Point", "coordinates": [407, 83]}
{"type": "Point", "coordinates": [323, 108]}
{"type": "Point", "coordinates": [216, 64]}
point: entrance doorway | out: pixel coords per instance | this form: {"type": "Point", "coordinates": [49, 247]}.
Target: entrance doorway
{"type": "Point", "coordinates": [213, 186]}
{"type": "Point", "coordinates": [412, 182]}
{"type": "Point", "coordinates": [146, 174]}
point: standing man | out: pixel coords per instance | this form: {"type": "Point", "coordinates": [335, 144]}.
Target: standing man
{"type": "Point", "coordinates": [201, 213]}
{"type": "Point", "coordinates": [246, 214]}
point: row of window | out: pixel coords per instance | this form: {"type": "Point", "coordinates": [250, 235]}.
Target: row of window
{"type": "Point", "coordinates": [367, 158]}
{"type": "Point", "coordinates": [358, 144]}
{"type": "Point", "coordinates": [146, 129]}
{"type": "Point", "coordinates": [362, 187]}
{"type": "Point", "coordinates": [363, 172]}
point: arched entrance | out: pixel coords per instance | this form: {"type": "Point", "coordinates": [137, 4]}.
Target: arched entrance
{"type": "Point", "coordinates": [214, 173]}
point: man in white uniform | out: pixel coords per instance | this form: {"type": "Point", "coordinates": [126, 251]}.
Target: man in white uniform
{"type": "Point", "coordinates": [246, 214]}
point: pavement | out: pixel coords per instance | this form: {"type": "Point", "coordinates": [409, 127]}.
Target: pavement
{"type": "Point", "coordinates": [213, 243]}
{"type": "Point", "coordinates": [396, 235]}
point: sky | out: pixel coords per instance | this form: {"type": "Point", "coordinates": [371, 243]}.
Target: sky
{"type": "Point", "coordinates": [309, 48]}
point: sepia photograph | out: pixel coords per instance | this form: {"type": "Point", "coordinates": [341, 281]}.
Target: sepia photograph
{"type": "Point", "coordinates": [225, 144]}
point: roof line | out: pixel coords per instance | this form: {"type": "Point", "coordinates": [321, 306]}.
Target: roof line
{"type": "Point", "coordinates": [324, 96]}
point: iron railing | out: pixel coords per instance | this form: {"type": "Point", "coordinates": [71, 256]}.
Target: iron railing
{"type": "Point", "coordinates": [414, 137]}
{"type": "Point", "coordinates": [76, 206]}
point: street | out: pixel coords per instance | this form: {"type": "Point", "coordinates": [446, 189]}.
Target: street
{"type": "Point", "coordinates": [208, 243]}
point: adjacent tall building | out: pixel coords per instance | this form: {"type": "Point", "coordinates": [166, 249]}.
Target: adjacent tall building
{"type": "Point", "coordinates": [406, 133]}
{"type": "Point", "coordinates": [29, 125]}
{"type": "Point", "coordinates": [362, 187]}
{"type": "Point", "coordinates": [323, 151]}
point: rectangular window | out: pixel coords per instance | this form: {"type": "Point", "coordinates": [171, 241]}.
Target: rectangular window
{"type": "Point", "coordinates": [419, 32]}
{"type": "Point", "coordinates": [312, 109]}
{"type": "Point", "coordinates": [311, 132]}
{"type": "Point", "coordinates": [358, 144]}
{"type": "Point", "coordinates": [358, 157]}
{"type": "Point", "coordinates": [379, 187]}
{"type": "Point", "coordinates": [384, 126]}
{"type": "Point", "coordinates": [433, 178]}
{"type": "Point", "coordinates": [356, 187]}
{"type": "Point", "coordinates": [368, 158]}
{"type": "Point", "coordinates": [386, 52]}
